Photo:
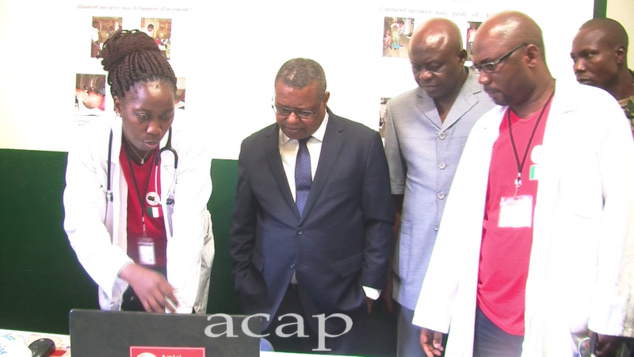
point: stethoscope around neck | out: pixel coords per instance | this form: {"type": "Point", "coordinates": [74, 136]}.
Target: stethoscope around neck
{"type": "Point", "coordinates": [167, 147]}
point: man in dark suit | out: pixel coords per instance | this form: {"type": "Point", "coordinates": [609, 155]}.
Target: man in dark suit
{"type": "Point", "coordinates": [316, 245]}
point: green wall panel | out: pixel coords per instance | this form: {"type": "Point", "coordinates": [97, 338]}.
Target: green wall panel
{"type": "Point", "coordinates": [224, 175]}
{"type": "Point", "coordinates": [600, 8]}
{"type": "Point", "coordinates": [40, 277]}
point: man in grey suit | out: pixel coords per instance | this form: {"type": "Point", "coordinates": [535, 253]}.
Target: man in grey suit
{"type": "Point", "coordinates": [312, 227]}
{"type": "Point", "coordinates": [425, 131]}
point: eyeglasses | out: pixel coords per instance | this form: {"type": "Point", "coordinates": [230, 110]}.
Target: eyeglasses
{"type": "Point", "coordinates": [284, 112]}
{"type": "Point", "coordinates": [490, 67]}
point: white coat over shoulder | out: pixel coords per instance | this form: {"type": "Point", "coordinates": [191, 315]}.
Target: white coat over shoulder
{"type": "Point", "coordinates": [96, 228]}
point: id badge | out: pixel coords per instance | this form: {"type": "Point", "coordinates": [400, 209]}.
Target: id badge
{"type": "Point", "coordinates": [146, 251]}
{"type": "Point", "coordinates": [516, 212]}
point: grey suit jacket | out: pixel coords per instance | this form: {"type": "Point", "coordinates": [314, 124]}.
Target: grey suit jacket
{"type": "Point", "coordinates": [423, 153]}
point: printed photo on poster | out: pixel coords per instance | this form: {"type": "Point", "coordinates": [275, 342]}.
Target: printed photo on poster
{"type": "Point", "coordinates": [471, 31]}
{"type": "Point", "coordinates": [90, 94]}
{"type": "Point", "coordinates": [180, 93]}
{"type": "Point", "coordinates": [161, 31]}
{"type": "Point", "coordinates": [102, 29]}
{"type": "Point", "coordinates": [396, 34]}
{"type": "Point", "coordinates": [382, 113]}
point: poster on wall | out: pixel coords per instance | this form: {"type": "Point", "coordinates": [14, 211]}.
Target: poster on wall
{"type": "Point", "coordinates": [398, 19]}
{"type": "Point", "coordinates": [229, 53]}
{"type": "Point", "coordinates": [398, 23]}
{"type": "Point", "coordinates": [92, 94]}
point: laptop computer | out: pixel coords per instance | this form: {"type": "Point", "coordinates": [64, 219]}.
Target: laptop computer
{"type": "Point", "coordinates": [95, 333]}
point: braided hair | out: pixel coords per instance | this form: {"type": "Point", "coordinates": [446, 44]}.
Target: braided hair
{"type": "Point", "coordinates": [132, 56]}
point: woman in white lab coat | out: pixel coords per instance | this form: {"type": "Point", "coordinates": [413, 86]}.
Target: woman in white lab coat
{"type": "Point", "coordinates": [137, 191]}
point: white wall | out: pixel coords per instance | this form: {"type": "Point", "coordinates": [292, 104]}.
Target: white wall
{"type": "Point", "coordinates": [623, 12]}
{"type": "Point", "coordinates": [230, 53]}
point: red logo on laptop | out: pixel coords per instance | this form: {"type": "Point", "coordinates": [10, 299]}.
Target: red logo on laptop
{"type": "Point", "coordinates": [143, 351]}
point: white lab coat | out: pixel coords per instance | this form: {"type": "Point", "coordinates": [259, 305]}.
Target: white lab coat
{"type": "Point", "coordinates": [97, 230]}
{"type": "Point", "coordinates": [580, 226]}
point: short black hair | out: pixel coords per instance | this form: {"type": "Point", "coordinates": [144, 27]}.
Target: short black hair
{"type": "Point", "coordinates": [301, 72]}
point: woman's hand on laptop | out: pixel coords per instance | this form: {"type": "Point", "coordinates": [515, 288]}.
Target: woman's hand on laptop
{"type": "Point", "coordinates": [155, 293]}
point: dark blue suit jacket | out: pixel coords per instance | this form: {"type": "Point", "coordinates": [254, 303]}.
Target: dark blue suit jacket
{"type": "Point", "coordinates": [344, 239]}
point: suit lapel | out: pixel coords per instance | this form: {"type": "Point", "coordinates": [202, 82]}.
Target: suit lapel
{"type": "Point", "coordinates": [426, 105]}
{"type": "Point", "coordinates": [274, 160]}
{"type": "Point", "coordinates": [334, 139]}
{"type": "Point", "coordinates": [464, 102]}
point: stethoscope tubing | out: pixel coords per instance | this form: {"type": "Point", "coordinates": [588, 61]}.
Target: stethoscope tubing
{"type": "Point", "coordinates": [167, 147]}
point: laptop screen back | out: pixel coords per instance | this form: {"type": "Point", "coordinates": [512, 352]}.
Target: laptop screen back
{"type": "Point", "coordinates": [140, 334]}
